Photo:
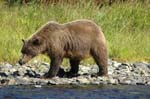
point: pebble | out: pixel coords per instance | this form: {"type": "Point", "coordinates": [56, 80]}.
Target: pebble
{"type": "Point", "coordinates": [37, 86]}
{"type": "Point", "coordinates": [83, 80]}
{"type": "Point", "coordinates": [119, 73]}
{"type": "Point", "coordinates": [148, 83]}
{"type": "Point", "coordinates": [113, 81]}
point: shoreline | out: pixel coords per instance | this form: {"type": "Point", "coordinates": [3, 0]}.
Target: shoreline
{"type": "Point", "coordinates": [119, 74]}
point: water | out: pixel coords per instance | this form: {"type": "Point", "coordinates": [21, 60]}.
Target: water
{"type": "Point", "coordinates": [75, 92]}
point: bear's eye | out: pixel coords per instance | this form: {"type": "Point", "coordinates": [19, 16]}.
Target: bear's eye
{"type": "Point", "coordinates": [36, 42]}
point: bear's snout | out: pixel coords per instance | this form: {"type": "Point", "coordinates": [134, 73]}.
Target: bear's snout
{"type": "Point", "coordinates": [24, 59]}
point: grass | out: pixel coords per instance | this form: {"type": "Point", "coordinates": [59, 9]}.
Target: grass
{"type": "Point", "coordinates": [126, 27]}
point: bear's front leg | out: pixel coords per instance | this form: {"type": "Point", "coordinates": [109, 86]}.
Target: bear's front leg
{"type": "Point", "coordinates": [74, 68]}
{"type": "Point", "coordinates": [54, 68]}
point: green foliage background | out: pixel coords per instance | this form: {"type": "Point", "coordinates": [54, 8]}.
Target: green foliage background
{"type": "Point", "coordinates": [126, 26]}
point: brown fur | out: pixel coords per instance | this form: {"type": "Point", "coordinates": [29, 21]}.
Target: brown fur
{"type": "Point", "coordinates": [74, 40]}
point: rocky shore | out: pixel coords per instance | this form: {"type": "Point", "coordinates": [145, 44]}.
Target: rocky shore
{"type": "Point", "coordinates": [119, 73]}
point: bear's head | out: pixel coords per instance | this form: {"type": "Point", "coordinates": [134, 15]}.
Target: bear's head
{"type": "Point", "coordinates": [31, 48]}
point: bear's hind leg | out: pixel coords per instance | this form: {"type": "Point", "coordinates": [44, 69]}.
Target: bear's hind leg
{"type": "Point", "coordinates": [74, 67]}
{"type": "Point", "coordinates": [100, 57]}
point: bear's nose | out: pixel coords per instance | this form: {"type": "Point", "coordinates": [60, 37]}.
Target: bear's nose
{"type": "Point", "coordinates": [20, 62]}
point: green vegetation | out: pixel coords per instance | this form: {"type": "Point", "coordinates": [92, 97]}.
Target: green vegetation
{"type": "Point", "coordinates": [126, 26]}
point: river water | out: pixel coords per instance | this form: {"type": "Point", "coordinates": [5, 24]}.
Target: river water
{"type": "Point", "coordinates": [75, 92]}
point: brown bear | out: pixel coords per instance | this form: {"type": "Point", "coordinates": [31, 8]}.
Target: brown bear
{"type": "Point", "coordinates": [75, 40]}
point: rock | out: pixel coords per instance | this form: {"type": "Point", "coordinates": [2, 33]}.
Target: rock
{"type": "Point", "coordinates": [141, 69]}
{"type": "Point", "coordinates": [144, 73]}
{"type": "Point", "coordinates": [140, 64]}
{"type": "Point", "coordinates": [7, 65]}
{"type": "Point", "coordinates": [148, 83]}
{"type": "Point", "coordinates": [4, 81]}
{"type": "Point", "coordinates": [119, 73]}
{"type": "Point", "coordinates": [123, 67]}
{"type": "Point", "coordinates": [30, 73]}
{"type": "Point", "coordinates": [16, 73]}
{"type": "Point", "coordinates": [140, 80]}
{"type": "Point", "coordinates": [110, 70]}
{"type": "Point", "coordinates": [95, 82]}
{"type": "Point", "coordinates": [21, 71]}
{"type": "Point", "coordinates": [12, 82]}
{"type": "Point", "coordinates": [94, 69]}
{"type": "Point", "coordinates": [51, 82]}
{"type": "Point", "coordinates": [75, 82]}
{"type": "Point", "coordinates": [37, 86]}
{"type": "Point", "coordinates": [43, 67]}
{"type": "Point", "coordinates": [66, 81]}
{"type": "Point", "coordinates": [149, 66]}
{"type": "Point", "coordinates": [23, 81]}
{"type": "Point", "coordinates": [126, 82]}
{"type": "Point", "coordinates": [59, 81]}
{"type": "Point", "coordinates": [115, 64]}
{"type": "Point", "coordinates": [83, 69]}
{"type": "Point", "coordinates": [82, 80]}
{"type": "Point", "coordinates": [38, 81]}
{"type": "Point", "coordinates": [2, 74]}
{"type": "Point", "coordinates": [113, 81]}
{"type": "Point", "coordinates": [102, 78]}
{"type": "Point", "coordinates": [110, 62]}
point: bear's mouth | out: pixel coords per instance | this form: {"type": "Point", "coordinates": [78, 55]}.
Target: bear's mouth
{"type": "Point", "coordinates": [25, 58]}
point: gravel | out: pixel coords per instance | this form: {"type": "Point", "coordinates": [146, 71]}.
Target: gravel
{"type": "Point", "coordinates": [119, 73]}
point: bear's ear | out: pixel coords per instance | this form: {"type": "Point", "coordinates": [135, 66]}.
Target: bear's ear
{"type": "Point", "coordinates": [23, 41]}
{"type": "Point", "coordinates": [36, 41]}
